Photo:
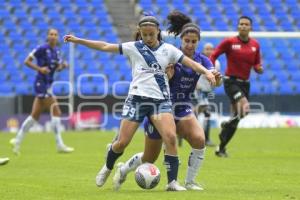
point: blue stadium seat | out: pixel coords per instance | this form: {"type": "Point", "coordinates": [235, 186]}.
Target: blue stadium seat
{"type": "Point", "coordinates": [24, 89]}
{"type": "Point", "coordinates": [6, 89]}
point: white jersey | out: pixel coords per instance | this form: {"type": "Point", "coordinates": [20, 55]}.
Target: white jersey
{"type": "Point", "coordinates": [148, 77]}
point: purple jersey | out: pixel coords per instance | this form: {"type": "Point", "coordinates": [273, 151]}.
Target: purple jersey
{"type": "Point", "coordinates": [184, 81]}
{"type": "Point", "coordinates": [45, 55]}
{"type": "Point", "coordinates": [49, 57]}
{"type": "Point", "coordinates": [182, 86]}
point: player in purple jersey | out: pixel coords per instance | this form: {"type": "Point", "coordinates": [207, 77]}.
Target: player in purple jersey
{"type": "Point", "coordinates": [48, 61]}
{"type": "Point", "coordinates": [182, 85]}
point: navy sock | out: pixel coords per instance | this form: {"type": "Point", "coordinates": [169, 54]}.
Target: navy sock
{"type": "Point", "coordinates": [172, 164]}
{"type": "Point", "coordinates": [111, 158]}
{"type": "Point", "coordinates": [228, 132]}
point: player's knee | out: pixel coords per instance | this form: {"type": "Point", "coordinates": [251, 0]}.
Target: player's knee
{"type": "Point", "coordinates": [197, 141]}
{"type": "Point", "coordinates": [169, 138]}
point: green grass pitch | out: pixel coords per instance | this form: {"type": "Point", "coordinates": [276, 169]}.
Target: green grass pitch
{"type": "Point", "coordinates": [264, 164]}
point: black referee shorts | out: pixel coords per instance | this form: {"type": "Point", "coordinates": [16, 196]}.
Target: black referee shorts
{"type": "Point", "coordinates": [236, 88]}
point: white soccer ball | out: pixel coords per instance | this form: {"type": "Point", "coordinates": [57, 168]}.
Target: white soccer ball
{"type": "Point", "coordinates": [147, 176]}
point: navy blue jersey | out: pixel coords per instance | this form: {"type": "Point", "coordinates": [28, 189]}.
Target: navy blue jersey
{"type": "Point", "coordinates": [47, 56]}
{"type": "Point", "coordinates": [184, 81]}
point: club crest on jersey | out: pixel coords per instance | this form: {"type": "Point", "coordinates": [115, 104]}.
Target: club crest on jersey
{"type": "Point", "coordinates": [236, 46]}
{"type": "Point", "coordinates": [253, 49]}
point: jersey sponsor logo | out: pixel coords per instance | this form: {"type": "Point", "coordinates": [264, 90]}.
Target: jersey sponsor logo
{"type": "Point", "coordinates": [253, 49]}
{"type": "Point", "coordinates": [188, 110]}
{"type": "Point", "coordinates": [236, 46]}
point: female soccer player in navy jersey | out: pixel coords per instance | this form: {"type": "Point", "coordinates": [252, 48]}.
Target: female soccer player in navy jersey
{"type": "Point", "coordinates": [48, 60]}
{"type": "Point", "coordinates": [242, 53]}
{"type": "Point", "coordinates": [148, 93]}
{"type": "Point", "coordinates": [182, 83]}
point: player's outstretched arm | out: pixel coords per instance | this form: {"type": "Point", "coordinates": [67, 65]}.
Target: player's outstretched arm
{"type": "Point", "coordinates": [200, 69]}
{"type": "Point", "coordinates": [93, 44]}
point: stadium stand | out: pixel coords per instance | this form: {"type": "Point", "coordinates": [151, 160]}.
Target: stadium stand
{"type": "Point", "coordinates": [24, 25]}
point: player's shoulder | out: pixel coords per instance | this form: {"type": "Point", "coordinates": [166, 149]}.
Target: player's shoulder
{"type": "Point", "coordinates": [200, 56]}
{"type": "Point", "coordinates": [254, 41]}
{"type": "Point", "coordinates": [168, 45]}
{"type": "Point", "coordinates": [42, 47]}
{"type": "Point", "coordinates": [231, 39]}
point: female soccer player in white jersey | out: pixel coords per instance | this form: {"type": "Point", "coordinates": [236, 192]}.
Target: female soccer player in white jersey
{"type": "Point", "coordinates": [148, 93]}
{"type": "Point", "coordinates": [48, 61]}
{"type": "Point", "coordinates": [182, 83]}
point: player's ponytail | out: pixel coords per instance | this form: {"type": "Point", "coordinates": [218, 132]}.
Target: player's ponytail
{"type": "Point", "coordinates": [181, 24]}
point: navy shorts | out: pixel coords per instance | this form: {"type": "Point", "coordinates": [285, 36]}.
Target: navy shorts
{"type": "Point", "coordinates": [136, 108]}
{"type": "Point", "coordinates": [179, 111]}
{"type": "Point", "coordinates": [42, 89]}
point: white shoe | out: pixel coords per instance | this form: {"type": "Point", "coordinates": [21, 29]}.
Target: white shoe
{"type": "Point", "coordinates": [193, 186]}
{"type": "Point", "coordinates": [65, 149]}
{"type": "Point", "coordinates": [119, 177]}
{"type": "Point", "coordinates": [175, 186]}
{"type": "Point", "coordinates": [15, 146]}
{"type": "Point", "coordinates": [4, 161]}
{"type": "Point", "coordinates": [102, 176]}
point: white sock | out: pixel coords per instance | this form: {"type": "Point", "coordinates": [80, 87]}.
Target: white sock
{"type": "Point", "coordinates": [132, 163]}
{"type": "Point", "coordinates": [55, 123]}
{"type": "Point", "coordinates": [194, 164]}
{"type": "Point", "coordinates": [26, 125]}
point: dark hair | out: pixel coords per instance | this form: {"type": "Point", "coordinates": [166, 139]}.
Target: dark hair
{"type": "Point", "coordinates": [179, 23]}
{"type": "Point", "coordinates": [245, 17]}
{"type": "Point", "coordinates": [147, 20]}
{"type": "Point", "coordinates": [48, 31]}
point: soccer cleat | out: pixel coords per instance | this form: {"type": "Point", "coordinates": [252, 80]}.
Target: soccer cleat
{"type": "Point", "coordinates": [15, 146]}
{"type": "Point", "coordinates": [175, 186]}
{"type": "Point", "coordinates": [193, 186]}
{"type": "Point", "coordinates": [102, 176]}
{"type": "Point", "coordinates": [221, 152]}
{"type": "Point", "coordinates": [4, 161]}
{"type": "Point", "coordinates": [65, 149]}
{"type": "Point", "coordinates": [119, 177]}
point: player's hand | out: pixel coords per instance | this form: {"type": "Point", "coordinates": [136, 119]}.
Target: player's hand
{"type": "Point", "coordinates": [170, 70]}
{"type": "Point", "coordinates": [65, 64]}
{"type": "Point", "coordinates": [259, 70]}
{"type": "Point", "coordinates": [210, 77]}
{"type": "Point", "coordinates": [218, 77]}
{"type": "Point", "coordinates": [62, 66]}
{"type": "Point", "coordinates": [44, 70]}
{"type": "Point", "coordinates": [70, 38]}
